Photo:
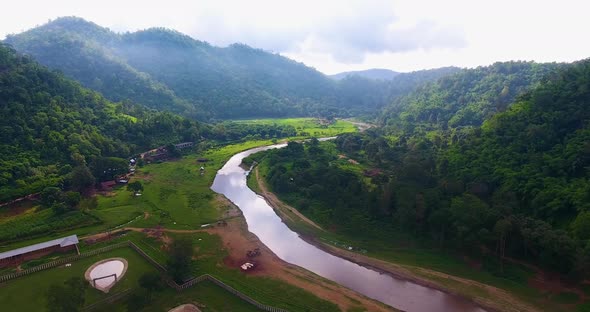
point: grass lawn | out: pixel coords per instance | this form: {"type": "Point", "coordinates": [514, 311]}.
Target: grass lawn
{"type": "Point", "coordinates": [306, 126]}
{"type": "Point", "coordinates": [27, 293]}
{"type": "Point", "coordinates": [18, 292]}
{"type": "Point", "coordinates": [213, 297]}
{"type": "Point", "coordinates": [206, 295]}
{"type": "Point", "coordinates": [265, 290]}
{"type": "Point", "coordinates": [209, 253]}
{"type": "Point", "coordinates": [175, 196]}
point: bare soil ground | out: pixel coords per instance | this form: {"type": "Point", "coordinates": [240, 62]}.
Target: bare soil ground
{"type": "Point", "coordinates": [237, 240]}
{"type": "Point", "coordinates": [17, 208]}
{"type": "Point", "coordinates": [549, 283]}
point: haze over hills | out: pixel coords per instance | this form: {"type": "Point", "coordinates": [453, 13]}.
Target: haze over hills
{"type": "Point", "coordinates": [374, 73]}
{"type": "Point", "coordinates": [481, 174]}
{"type": "Point", "coordinates": [56, 125]}
{"type": "Point", "coordinates": [510, 181]}
{"type": "Point", "coordinates": [167, 70]}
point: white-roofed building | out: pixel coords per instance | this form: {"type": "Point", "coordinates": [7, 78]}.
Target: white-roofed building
{"type": "Point", "coordinates": [16, 256]}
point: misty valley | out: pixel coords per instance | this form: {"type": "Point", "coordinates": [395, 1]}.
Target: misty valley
{"type": "Point", "coordinates": [148, 170]}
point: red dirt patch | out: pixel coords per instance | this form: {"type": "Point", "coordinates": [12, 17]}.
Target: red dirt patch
{"type": "Point", "coordinates": [16, 208]}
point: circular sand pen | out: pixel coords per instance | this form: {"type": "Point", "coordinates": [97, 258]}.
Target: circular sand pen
{"type": "Point", "coordinates": [104, 274]}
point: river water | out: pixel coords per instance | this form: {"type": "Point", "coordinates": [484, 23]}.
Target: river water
{"type": "Point", "coordinates": [287, 245]}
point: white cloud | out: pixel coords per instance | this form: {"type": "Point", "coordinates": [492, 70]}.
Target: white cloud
{"type": "Point", "coordinates": [344, 35]}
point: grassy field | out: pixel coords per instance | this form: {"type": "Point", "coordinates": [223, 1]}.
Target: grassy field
{"type": "Point", "coordinates": [209, 254]}
{"type": "Point", "coordinates": [28, 293]}
{"type": "Point", "coordinates": [306, 126]}
{"type": "Point", "coordinates": [177, 197]}
{"type": "Point", "coordinates": [206, 295]}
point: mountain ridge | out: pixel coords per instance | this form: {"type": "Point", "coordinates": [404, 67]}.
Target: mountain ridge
{"type": "Point", "coordinates": [167, 70]}
{"type": "Point", "coordinates": [372, 73]}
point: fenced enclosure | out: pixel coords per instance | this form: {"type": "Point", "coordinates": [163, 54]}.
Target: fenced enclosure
{"type": "Point", "coordinates": [157, 265]}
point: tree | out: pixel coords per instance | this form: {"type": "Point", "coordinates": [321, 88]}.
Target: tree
{"type": "Point", "coordinates": [68, 297]}
{"type": "Point", "coordinates": [173, 151]}
{"type": "Point", "coordinates": [107, 168]}
{"type": "Point", "coordinates": [81, 179]}
{"type": "Point", "coordinates": [502, 230]}
{"type": "Point", "coordinates": [151, 282]}
{"type": "Point", "coordinates": [137, 301]}
{"type": "Point", "coordinates": [50, 196]}
{"type": "Point", "coordinates": [135, 187]}
{"type": "Point", "coordinates": [179, 262]}
{"type": "Point", "coordinates": [581, 226]}
{"type": "Point", "coordinates": [294, 149]}
{"type": "Point", "coordinates": [72, 199]}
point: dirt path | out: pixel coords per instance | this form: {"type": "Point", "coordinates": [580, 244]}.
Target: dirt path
{"type": "Point", "coordinates": [278, 204]}
{"type": "Point", "coordinates": [493, 298]}
{"type": "Point", "coordinates": [362, 126]}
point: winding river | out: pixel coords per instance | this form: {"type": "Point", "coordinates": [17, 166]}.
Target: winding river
{"type": "Point", "coordinates": [287, 245]}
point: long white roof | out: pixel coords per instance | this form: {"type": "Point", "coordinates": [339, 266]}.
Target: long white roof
{"type": "Point", "coordinates": [62, 242]}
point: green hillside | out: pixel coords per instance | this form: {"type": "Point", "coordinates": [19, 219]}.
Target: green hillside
{"type": "Point", "coordinates": [464, 99]}
{"type": "Point", "coordinates": [52, 125]}
{"type": "Point", "coordinates": [167, 70]}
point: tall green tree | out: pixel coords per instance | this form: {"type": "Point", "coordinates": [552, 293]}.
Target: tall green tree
{"type": "Point", "coordinates": [179, 262]}
{"type": "Point", "coordinates": [69, 297]}
{"type": "Point", "coordinates": [81, 179]}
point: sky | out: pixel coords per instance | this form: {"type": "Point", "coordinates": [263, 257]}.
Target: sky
{"type": "Point", "coordinates": [344, 35]}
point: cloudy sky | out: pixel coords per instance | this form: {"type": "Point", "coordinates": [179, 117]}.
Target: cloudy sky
{"type": "Point", "coordinates": [335, 36]}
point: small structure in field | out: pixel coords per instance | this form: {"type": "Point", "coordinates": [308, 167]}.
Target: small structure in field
{"type": "Point", "coordinates": [104, 274]}
{"type": "Point", "coordinates": [19, 255]}
{"type": "Point", "coordinates": [247, 266]}
{"type": "Point", "coordinates": [186, 308]}
{"type": "Point", "coordinates": [107, 185]}
{"type": "Point", "coordinates": [184, 145]}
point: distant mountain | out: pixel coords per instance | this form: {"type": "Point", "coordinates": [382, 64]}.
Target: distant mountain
{"type": "Point", "coordinates": [167, 70]}
{"type": "Point", "coordinates": [375, 73]}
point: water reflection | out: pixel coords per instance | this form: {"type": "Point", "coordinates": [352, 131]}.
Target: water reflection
{"type": "Point", "coordinates": [263, 221]}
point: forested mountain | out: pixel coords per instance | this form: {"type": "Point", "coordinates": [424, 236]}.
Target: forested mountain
{"type": "Point", "coordinates": [235, 82]}
{"type": "Point", "coordinates": [373, 95]}
{"type": "Point", "coordinates": [167, 70]}
{"type": "Point", "coordinates": [465, 98]}
{"type": "Point", "coordinates": [81, 51]}
{"type": "Point", "coordinates": [374, 73]}
{"type": "Point", "coordinates": [518, 186]}
{"type": "Point", "coordinates": [52, 126]}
